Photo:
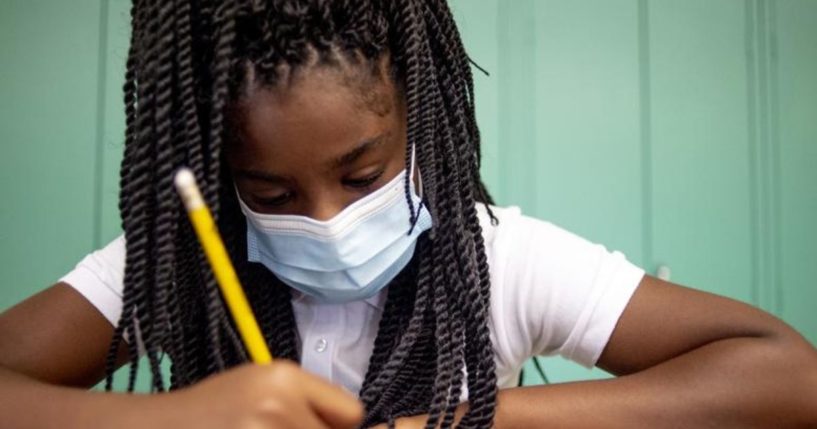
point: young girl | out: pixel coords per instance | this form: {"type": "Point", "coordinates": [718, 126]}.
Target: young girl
{"type": "Point", "coordinates": [335, 141]}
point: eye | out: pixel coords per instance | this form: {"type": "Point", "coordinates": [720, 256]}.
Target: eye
{"type": "Point", "coordinates": [363, 182]}
{"type": "Point", "coordinates": [274, 201]}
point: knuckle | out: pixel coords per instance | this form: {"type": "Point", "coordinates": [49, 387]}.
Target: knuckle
{"type": "Point", "coordinates": [271, 407]}
{"type": "Point", "coordinates": [285, 373]}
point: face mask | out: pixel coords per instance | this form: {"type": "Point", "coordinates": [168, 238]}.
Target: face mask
{"type": "Point", "coordinates": [350, 257]}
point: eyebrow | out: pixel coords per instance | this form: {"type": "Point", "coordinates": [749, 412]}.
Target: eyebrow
{"type": "Point", "coordinates": [354, 154]}
{"type": "Point", "coordinates": [341, 161]}
{"type": "Point", "coordinates": [260, 175]}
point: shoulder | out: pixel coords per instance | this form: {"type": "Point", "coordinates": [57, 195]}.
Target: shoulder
{"type": "Point", "coordinates": [99, 278]}
{"type": "Point", "coordinates": [522, 243]}
{"type": "Point", "coordinates": [516, 235]}
{"type": "Point", "coordinates": [552, 291]}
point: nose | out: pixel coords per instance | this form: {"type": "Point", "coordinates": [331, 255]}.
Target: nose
{"type": "Point", "coordinates": [325, 207]}
{"type": "Point", "coordinates": [323, 213]}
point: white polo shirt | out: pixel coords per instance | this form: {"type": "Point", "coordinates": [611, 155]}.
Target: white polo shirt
{"type": "Point", "coordinates": [552, 292]}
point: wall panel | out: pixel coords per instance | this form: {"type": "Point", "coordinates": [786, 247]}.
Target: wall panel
{"type": "Point", "coordinates": [699, 143]}
{"type": "Point", "coordinates": [585, 152]}
{"type": "Point", "coordinates": [48, 82]}
{"type": "Point", "coordinates": [795, 126]}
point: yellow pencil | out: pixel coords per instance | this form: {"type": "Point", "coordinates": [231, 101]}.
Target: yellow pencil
{"type": "Point", "coordinates": [225, 274]}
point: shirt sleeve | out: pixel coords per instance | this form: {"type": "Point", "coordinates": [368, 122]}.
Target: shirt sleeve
{"type": "Point", "coordinates": [99, 278]}
{"type": "Point", "coordinates": [562, 294]}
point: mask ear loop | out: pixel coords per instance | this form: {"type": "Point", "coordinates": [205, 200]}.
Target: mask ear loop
{"type": "Point", "coordinates": [415, 213]}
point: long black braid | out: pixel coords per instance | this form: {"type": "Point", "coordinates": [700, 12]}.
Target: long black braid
{"type": "Point", "coordinates": [188, 61]}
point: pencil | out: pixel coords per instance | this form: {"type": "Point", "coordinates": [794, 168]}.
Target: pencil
{"type": "Point", "coordinates": [226, 277]}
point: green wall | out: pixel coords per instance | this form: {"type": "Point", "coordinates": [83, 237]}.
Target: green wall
{"type": "Point", "coordinates": [683, 133]}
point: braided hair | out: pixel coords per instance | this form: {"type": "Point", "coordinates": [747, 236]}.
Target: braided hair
{"type": "Point", "coordinates": [187, 63]}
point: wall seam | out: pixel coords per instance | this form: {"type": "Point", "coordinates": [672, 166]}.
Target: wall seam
{"type": "Point", "coordinates": [502, 128]}
{"type": "Point", "coordinates": [754, 197]}
{"type": "Point", "coordinates": [645, 123]}
{"type": "Point", "coordinates": [762, 61]}
{"type": "Point", "coordinates": [775, 167]}
{"type": "Point", "coordinates": [517, 117]}
{"type": "Point", "coordinates": [102, 71]}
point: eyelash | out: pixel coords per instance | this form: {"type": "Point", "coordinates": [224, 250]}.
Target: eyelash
{"type": "Point", "coordinates": [362, 184]}
{"type": "Point", "coordinates": [277, 201]}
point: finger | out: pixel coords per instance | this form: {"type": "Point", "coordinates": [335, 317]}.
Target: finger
{"type": "Point", "coordinates": [299, 416]}
{"type": "Point", "coordinates": [338, 408]}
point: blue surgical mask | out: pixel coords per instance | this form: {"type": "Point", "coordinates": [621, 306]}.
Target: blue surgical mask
{"type": "Point", "coordinates": [350, 257]}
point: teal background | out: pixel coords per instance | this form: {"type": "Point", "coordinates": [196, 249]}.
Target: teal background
{"type": "Point", "coordinates": [683, 133]}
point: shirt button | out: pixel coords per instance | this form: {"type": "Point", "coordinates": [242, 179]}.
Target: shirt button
{"type": "Point", "coordinates": [320, 346]}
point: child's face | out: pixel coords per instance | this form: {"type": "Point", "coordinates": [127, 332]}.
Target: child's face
{"type": "Point", "coordinates": [317, 144]}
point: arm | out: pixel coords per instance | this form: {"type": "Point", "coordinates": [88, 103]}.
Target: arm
{"type": "Point", "coordinates": [53, 346]}
{"type": "Point", "coordinates": [686, 359]}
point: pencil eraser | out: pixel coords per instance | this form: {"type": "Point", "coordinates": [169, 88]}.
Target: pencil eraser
{"type": "Point", "coordinates": [184, 179]}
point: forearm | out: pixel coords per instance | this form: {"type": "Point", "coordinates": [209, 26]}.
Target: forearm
{"type": "Point", "coordinates": [734, 383]}
{"type": "Point", "coordinates": [28, 403]}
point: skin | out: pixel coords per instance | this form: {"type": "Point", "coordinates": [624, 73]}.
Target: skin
{"type": "Point", "coordinates": [685, 358]}
{"type": "Point", "coordinates": [297, 152]}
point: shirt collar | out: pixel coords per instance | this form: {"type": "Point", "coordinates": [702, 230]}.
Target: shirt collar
{"type": "Point", "coordinates": [377, 301]}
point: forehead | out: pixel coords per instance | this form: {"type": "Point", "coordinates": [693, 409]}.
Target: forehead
{"type": "Point", "coordinates": [320, 110]}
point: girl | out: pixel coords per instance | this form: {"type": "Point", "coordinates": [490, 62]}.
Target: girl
{"type": "Point", "coordinates": [335, 141]}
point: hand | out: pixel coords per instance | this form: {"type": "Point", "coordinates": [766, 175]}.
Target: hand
{"type": "Point", "coordinates": [275, 396]}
